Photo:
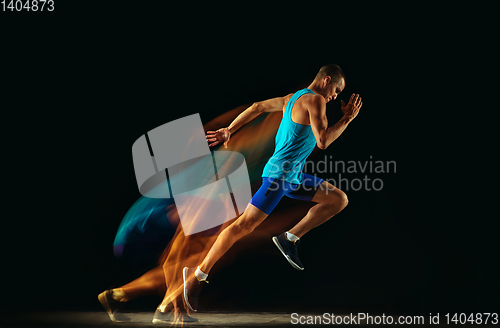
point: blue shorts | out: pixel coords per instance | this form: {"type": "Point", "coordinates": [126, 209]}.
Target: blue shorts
{"type": "Point", "coordinates": [272, 190]}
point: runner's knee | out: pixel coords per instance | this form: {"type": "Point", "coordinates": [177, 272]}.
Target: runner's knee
{"type": "Point", "coordinates": [338, 198]}
{"type": "Point", "coordinates": [343, 200]}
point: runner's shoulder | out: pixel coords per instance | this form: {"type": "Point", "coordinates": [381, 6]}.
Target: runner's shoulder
{"type": "Point", "coordinates": [314, 100]}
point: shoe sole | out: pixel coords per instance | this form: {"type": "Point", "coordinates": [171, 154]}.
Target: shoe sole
{"type": "Point", "coordinates": [172, 321]}
{"type": "Point", "coordinates": [162, 321]}
{"type": "Point", "coordinates": [184, 278]}
{"type": "Point", "coordinates": [293, 264]}
{"type": "Point", "coordinates": [104, 302]}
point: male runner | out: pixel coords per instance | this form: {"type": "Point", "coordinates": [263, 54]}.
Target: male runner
{"type": "Point", "coordinates": [303, 126]}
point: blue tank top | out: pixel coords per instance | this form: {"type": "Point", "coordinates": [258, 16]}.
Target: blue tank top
{"type": "Point", "coordinates": [294, 143]}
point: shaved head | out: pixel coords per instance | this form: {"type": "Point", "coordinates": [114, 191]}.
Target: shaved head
{"type": "Point", "coordinates": [333, 71]}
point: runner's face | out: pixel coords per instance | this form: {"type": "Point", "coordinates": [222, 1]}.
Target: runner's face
{"type": "Point", "coordinates": [333, 90]}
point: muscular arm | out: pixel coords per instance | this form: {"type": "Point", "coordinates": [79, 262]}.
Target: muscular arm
{"type": "Point", "coordinates": [317, 112]}
{"type": "Point", "coordinates": [224, 134]}
{"type": "Point", "coordinates": [270, 105]}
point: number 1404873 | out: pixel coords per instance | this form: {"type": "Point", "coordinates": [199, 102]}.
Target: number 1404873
{"type": "Point", "coordinates": [27, 5]}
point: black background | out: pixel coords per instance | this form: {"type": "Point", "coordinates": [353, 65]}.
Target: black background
{"type": "Point", "coordinates": [81, 84]}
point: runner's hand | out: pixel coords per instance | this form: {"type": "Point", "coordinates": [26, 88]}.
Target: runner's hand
{"type": "Point", "coordinates": [216, 137]}
{"type": "Point", "coordinates": [351, 110]}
